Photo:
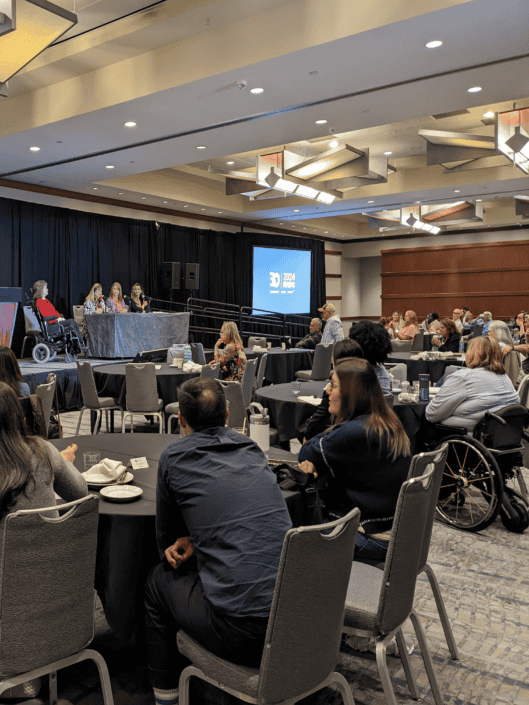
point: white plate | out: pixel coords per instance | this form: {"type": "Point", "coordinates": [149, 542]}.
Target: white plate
{"type": "Point", "coordinates": [103, 481]}
{"type": "Point", "coordinates": [121, 493]}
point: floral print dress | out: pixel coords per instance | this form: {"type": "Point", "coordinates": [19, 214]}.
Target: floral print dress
{"type": "Point", "coordinates": [232, 361]}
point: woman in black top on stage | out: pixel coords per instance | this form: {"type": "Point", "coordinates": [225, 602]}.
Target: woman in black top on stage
{"type": "Point", "coordinates": [138, 302]}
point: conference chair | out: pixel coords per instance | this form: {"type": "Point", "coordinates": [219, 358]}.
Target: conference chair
{"type": "Point", "coordinates": [379, 602]}
{"type": "Point", "coordinates": [248, 380]}
{"type": "Point", "coordinates": [321, 364]}
{"type": "Point", "coordinates": [399, 370]}
{"type": "Point", "coordinates": [48, 597]}
{"type": "Point", "coordinates": [197, 353]}
{"type": "Point", "coordinates": [304, 630]}
{"type": "Point", "coordinates": [400, 345]}
{"type": "Point", "coordinates": [523, 391]}
{"type": "Point", "coordinates": [418, 343]}
{"type": "Point", "coordinates": [261, 342]}
{"type": "Point", "coordinates": [91, 401]}
{"type": "Point", "coordinates": [237, 405]}
{"type": "Point", "coordinates": [142, 394]}
{"type": "Point", "coordinates": [208, 371]}
{"type": "Point", "coordinates": [46, 392]}
{"type": "Point", "coordinates": [259, 380]}
{"type": "Point", "coordinates": [78, 314]}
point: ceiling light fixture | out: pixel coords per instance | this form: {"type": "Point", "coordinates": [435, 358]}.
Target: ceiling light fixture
{"type": "Point", "coordinates": [109, 166]}
{"type": "Point", "coordinates": [201, 146]}
{"type": "Point", "coordinates": [166, 201]}
{"type": "Point", "coordinates": [456, 190]}
{"type": "Point", "coordinates": [387, 153]}
{"type": "Point", "coordinates": [27, 28]}
{"type": "Point", "coordinates": [419, 225]}
{"type": "Point", "coordinates": [130, 124]}
{"type": "Point", "coordinates": [434, 44]}
{"type": "Point", "coordinates": [478, 200]}
{"type": "Point", "coordinates": [230, 163]}
{"type": "Point", "coordinates": [474, 89]}
{"type": "Point", "coordinates": [256, 91]}
{"type": "Point", "coordinates": [296, 210]}
{"type": "Point", "coordinates": [121, 193]}
{"type": "Point", "coordinates": [334, 144]}
{"type": "Point", "coordinates": [370, 201]}
{"type": "Point", "coordinates": [511, 140]}
{"type": "Point", "coordinates": [96, 188]}
{"type": "Point", "coordinates": [488, 114]}
{"type": "Point", "coordinates": [34, 149]}
{"type": "Point", "coordinates": [144, 198]}
{"type": "Point", "coordinates": [321, 122]}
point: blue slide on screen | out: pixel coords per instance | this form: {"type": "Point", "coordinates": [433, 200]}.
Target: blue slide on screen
{"type": "Point", "coordinates": [281, 280]}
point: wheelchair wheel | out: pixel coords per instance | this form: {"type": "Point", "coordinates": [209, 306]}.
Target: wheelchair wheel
{"type": "Point", "coordinates": [41, 353]}
{"type": "Point", "coordinates": [515, 516]}
{"type": "Point", "coordinates": [471, 490]}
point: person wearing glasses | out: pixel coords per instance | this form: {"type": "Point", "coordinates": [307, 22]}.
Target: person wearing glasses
{"type": "Point", "coordinates": [456, 317]}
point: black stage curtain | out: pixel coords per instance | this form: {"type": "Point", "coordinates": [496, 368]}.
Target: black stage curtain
{"type": "Point", "coordinates": [72, 249]}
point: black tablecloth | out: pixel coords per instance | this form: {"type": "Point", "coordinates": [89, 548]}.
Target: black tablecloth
{"type": "Point", "coordinates": [110, 381]}
{"type": "Point", "coordinates": [126, 543]}
{"type": "Point", "coordinates": [287, 413]}
{"type": "Point", "coordinates": [435, 368]}
{"type": "Point", "coordinates": [125, 334]}
{"type": "Point", "coordinates": [281, 365]}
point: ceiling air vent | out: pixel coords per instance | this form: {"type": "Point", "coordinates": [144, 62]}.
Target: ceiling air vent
{"type": "Point", "coordinates": [442, 116]}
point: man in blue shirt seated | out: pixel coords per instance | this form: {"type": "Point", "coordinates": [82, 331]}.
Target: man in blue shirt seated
{"type": "Point", "coordinates": [220, 525]}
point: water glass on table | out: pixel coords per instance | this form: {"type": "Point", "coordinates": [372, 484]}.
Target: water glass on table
{"type": "Point", "coordinates": [91, 458]}
{"type": "Point", "coordinates": [296, 387]}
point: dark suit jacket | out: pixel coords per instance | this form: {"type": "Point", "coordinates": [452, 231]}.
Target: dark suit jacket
{"type": "Point", "coordinates": [310, 341]}
{"type": "Point", "coordinates": [451, 344]}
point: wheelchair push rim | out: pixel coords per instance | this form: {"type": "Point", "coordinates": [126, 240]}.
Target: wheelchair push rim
{"type": "Point", "coordinates": [471, 490]}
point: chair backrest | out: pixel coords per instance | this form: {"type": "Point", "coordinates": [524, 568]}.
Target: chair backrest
{"type": "Point", "coordinates": [419, 465]}
{"type": "Point", "coordinates": [503, 429]}
{"type": "Point", "coordinates": [390, 399]}
{"type": "Point", "coordinates": [46, 392]}
{"type": "Point", "coordinates": [197, 353]}
{"type": "Point", "coordinates": [404, 551]}
{"type": "Point", "coordinates": [235, 398]}
{"type": "Point", "coordinates": [398, 370]}
{"type": "Point", "coordinates": [321, 366]}
{"type": "Point", "coordinates": [512, 365]}
{"type": "Point", "coordinates": [47, 585]}
{"type": "Point", "coordinates": [400, 345]}
{"type": "Point", "coordinates": [88, 385]}
{"type": "Point", "coordinates": [523, 391]}
{"type": "Point", "coordinates": [78, 313]}
{"type": "Point", "coordinates": [261, 371]}
{"type": "Point", "coordinates": [450, 369]}
{"type": "Point", "coordinates": [31, 321]}
{"type": "Point", "coordinates": [261, 342]}
{"type": "Point", "coordinates": [306, 618]}
{"type": "Point", "coordinates": [417, 344]}
{"type": "Point", "coordinates": [248, 380]}
{"type": "Point", "coordinates": [477, 330]}
{"type": "Point", "coordinates": [142, 390]}
{"type": "Point", "coordinates": [210, 371]}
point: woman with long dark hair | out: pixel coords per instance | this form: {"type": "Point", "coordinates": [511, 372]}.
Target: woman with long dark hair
{"type": "Point", "coordinates": [366, 455]}
{"type": "Point", "coordinates": [31, 469]}
{"type": "Point", "coordinates": [10, 372]}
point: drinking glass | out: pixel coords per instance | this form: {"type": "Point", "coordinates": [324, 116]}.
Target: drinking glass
{"type": "Point", "coordinates": [91, 458]}
{"type": "Point", "coordinates": [296, 387]}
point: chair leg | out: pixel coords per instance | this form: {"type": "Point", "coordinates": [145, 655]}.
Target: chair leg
{"type": "Point", "coordinates": [449, 635]}
{"type": "Point", "coordinates": [161, 423]}
{"type": "Point", "coordinates": [406, 664]}
{"type": "Point", "coordinates": [102, 667]}
{"type": "Point", "coordinates": [383, 671]}
{"type": "Point", "coordinates": [99, 421]}
{"type": "Point", "coordinates": [183, 685]}
{"type": "Point", "coordinates": [123, 419]}
{"type": "Point", "coordinates": [344, 688]}
{"type": "Point", "coordinates": [426, 657]}
{"type": "Point", "coordinates": [52, 680]}
{"type": "Point", "coordinates": [79, 422]}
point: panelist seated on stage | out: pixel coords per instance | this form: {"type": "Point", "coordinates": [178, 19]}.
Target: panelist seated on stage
{"type": "Point", "coordinates": [220, 525]}
{"type": "Point", "coordinates": [115, 301]}
{"type": "Point", "coordinates": [138, 302]}
{"type": "Point", "coordinates": [10, 372]}
{"type": "Point", "coordinates": [46, 308]}
{"type": "Point", "coordinates": [231, 357]}
{"type": "Point", "coordinates": [314, 336]}
{"type": "Point", "coordinates": [448, 339]}
{"type": "Point", "coordinates": [95, 301]}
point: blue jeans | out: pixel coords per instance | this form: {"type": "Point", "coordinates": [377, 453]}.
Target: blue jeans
{"type": "Point", "coordinates": [369, 548]}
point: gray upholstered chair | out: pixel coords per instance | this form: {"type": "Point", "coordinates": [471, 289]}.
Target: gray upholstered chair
{"type": "Point", "coordinates": [90, 399]}
{"type": "Point", "coordinates": [259, 380]}
{"type": "Point", "coordinates": [417, 344]}
{"type": "Point", "coordinates": [321, 364]}
{"type": "Point", "coordinates": [238, 406]}
{"type": "Point", "coordinates": [379, 602]}
{"type": "Point", "coordinates": [248, 380]}
{"type": "Point", "coordinates": [261, 342]}
{"type": "Point", "coordinates": [48, 610]}
{"type": "Point", "coordinates": [419, 465]}
{"type": "Point", "coordinates": [398, 370]}
{"type": "Point", "coordinates": [400, 345]}
{"type": "Point", "coordinates": [211, 371]}
{"type": "Point", "coordinates": [46, 392]}
{"type": "Point", "coordinates": [78, 315]}
{"type": "Point", "coordinates": [302, 640]}
{"type": "Point", "coordinates": [197, 353]}
{"type": "Point", "coordinates": [523, 391]}
{"type": "Point", "coordinates": [142, 394]}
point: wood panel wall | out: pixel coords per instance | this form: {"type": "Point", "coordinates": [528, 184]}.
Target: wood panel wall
{"type": "Point", "coordinates": [485, 277]}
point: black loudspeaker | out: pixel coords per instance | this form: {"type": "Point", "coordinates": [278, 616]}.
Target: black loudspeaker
{"type": "Point", "coordinates": [171, 275]}
{"type": "Point", "coordinates": [192, 276]}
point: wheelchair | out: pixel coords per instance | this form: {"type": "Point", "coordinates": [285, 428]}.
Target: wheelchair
{"type": "Point", "coordinates": [50, 338]}
{"type": "Point", "coordinates": [483, 475]}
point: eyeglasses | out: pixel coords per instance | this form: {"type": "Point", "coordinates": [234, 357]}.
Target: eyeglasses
{"type": "Point", "coordinates": [333, 385]}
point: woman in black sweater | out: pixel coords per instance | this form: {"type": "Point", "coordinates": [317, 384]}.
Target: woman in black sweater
{"type": "Point", "coordinates": [448, 339]}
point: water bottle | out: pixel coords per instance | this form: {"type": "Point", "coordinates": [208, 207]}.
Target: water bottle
{"type": "Point", "coordinates": [461, 346]}
{"type": "Point", "coordinates": [260, 426]}
{"type": "Point", "coordinates": [188, 356]}
{"type": "Point", "coordinates": [424, 387]}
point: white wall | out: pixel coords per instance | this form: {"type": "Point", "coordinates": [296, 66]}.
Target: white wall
{"type": "Point", "coordinates": [333, 265]}
{"type": "Point", "coordinates": [351, 287]}
{"type": "Point", "coordinates": [370, 286]}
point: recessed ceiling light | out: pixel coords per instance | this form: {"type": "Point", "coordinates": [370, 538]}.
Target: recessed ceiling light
{"type": "Point", "coordinates": [110, 166]}
{"type": "Point", "coordinates": [488, 114]}
{"type": "Point", "coordinates": [321, 122]}
{"type": "Point", "coordinates": [326, 232]}
{"type": "Point", "coordinates": [370, 201]}
{"type": "Point", "coordinates": [121, 193]}
{"type": "Point", "coordinates": [230, 163]}
{"type": "Point", "coordinates": [201, 146]}
{"type": "Point", "coordinates": [220, 212]}
{"type": "Point", "coordinates": [203, 209]}
{"type": "Point", "coordinates": [144, 198]}
{"type": "Point", "coordinates": [186, 205]}
{"type": "Point", "coordinates": [457, 190]}
{"type": "Point", "coordinates": [296, 210]}
{"type": "Point", "coordinates": [417, 201]}
{"type": "Point", "coordinates": [474, 89]}
{"type": "Point", "coordinates": [280, 223]}
{"type": "Point", "coordinates": [166, 201]}
{"type": "Point", "coordinates": [34, 149]}
{"type": "Point", "coordinates": [130, 124]}
{"type": "Point", "coordinates": [388, 153]}
{"type": "Point", "coordinates": [256, 91]}
{"type": "Point", "coordinates": [333, 144]}
{"type": "Point", "coordinates": [434, 44]}
{"type": "Point", "coordinates": [478, 200]}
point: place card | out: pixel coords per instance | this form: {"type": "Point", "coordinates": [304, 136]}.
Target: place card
{"type": "Point", "coordinates": [139, 463]}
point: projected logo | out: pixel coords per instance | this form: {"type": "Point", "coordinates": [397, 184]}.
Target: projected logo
{"type": "Point", "coordinates": [282, 283]}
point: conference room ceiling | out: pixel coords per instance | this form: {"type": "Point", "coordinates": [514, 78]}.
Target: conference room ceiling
{"type": "Point", "coordinates": [174, 67]}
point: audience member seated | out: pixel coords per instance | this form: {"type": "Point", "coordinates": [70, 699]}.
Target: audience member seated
{"type": "Point", "coordinates": [46, 308]}
{"type": "Point", "coordinates": [448, 339]}
{"type": "Point", "coordinates": [10, 372]}
{"type": "Point", "coordinates": [466, 316]}
{"type": "Point", "coordinates": [376, 346]}
{"type": "Point", "coordinates": [366, 456]}
{"type": "Point", "coordinates": [499, 331]}
{"type": "Point", "coordinates": [321, 418]}
{"type": "Point", "coordinates": [115, 301]}
{"type": "Point", "coordinates": [434, 322]}
{"type": "Point", "coordinates": [220, 525]}
{"type": "Point", "coordinates": [396, 322]}
{"type": "Point", "coordinates": [384, 321]}
{"type": "Point", "coordinates": [232, 358]}
{"type": "Point", "coordinates": [469, 392]}
{"type": "Point", "coordinates": [484, 319]}
{"type": "Point", "coordinates": [138, 302]}
{"type": "Point", "coordinates": [456, 317]}
{"type": "Point", "coordinates": [95, 301]}
{"type": "Point", "coordinates": [310, 341]}
{"type": "Point", "coordinates": [410, 329]}
{"type": "Point", "coordinates": [32, 469]}
{"type": "Point", "coordinates": [519, 323]}
{"type": "Point", "coordinates": [333, 331]}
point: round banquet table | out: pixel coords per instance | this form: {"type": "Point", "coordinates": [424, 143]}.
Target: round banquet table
{"type": "Point", "coordinates": [110, 382]}
{"type": "Point", "coordinates": [287, 412]}
{"type": "Point", "coordinates": [435, 368]}
{"type": "Point", "coordinates": [281, 365]}
{"type": "Point", "coordinates": [126, 538]}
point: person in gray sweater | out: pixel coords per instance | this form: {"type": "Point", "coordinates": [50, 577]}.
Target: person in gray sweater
{"type": "Point", "coordinates": [32, 469]}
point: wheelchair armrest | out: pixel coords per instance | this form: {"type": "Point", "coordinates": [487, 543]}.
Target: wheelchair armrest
{"type": "Point", "coordinates": [449, 430]}
{"type": "Point", "coordinates": [47, 319]}
{"type": "Point", "coordinates": [490, 415]}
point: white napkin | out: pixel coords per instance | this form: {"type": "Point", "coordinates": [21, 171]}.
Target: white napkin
{"type": "Point", "coordinates": [315, 401]}
{"type": "Point", "coordinates": [408, 398]}
{"type": "Point", "coordinates": [191, 366]}
{"type": "Point", "coordinates": [258, 348]}
{"type": "Point", "coordinates": [110, 468]}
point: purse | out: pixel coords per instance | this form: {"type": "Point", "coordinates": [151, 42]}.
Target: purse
{"type": "Point", "coordinates": [292, 479]}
